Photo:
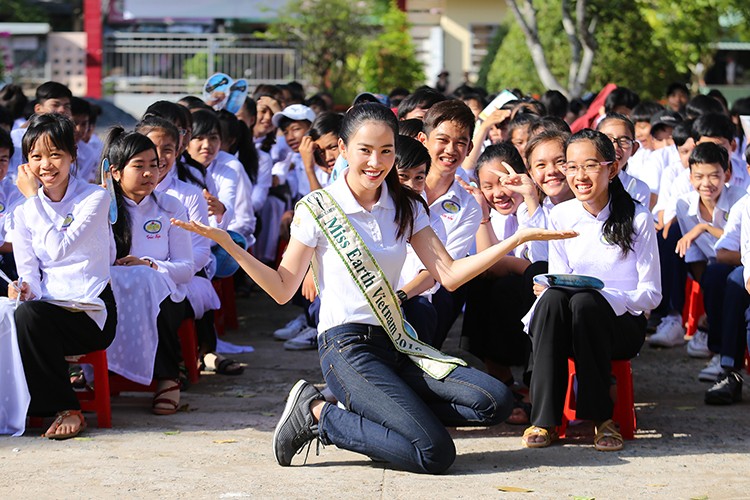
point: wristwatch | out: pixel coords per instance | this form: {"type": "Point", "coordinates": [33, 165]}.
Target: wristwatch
{"type": "Point", "coordinates": [402, 297]}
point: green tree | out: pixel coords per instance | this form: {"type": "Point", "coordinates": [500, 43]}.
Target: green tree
{"type": "Point", "coordinates": [622, 51]}
{"type": "Point", "coordinates": [326, 33]}
{"type": "Point", "coordinates": [389, 59]}
{"type": "Point", "coordinates": [21, 11]}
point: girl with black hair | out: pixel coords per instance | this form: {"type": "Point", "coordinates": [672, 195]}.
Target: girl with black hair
{"type": "Point", "coordinates": [153, 266]}
{"type": "Point", "coordinates": [262, 178]}
{"type": "Point", "coordinates": [617, 244]}
{"type": "Point", "coordinates": [61, 241]}
{"type": "Point", "coordinates": [397, 393]}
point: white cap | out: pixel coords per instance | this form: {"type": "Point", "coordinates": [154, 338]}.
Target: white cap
{"type": "Point", "coordinates": [294, 112]}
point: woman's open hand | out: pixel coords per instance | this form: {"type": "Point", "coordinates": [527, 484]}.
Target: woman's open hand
{"type": "Point", "coordinates": [537, 234]}
{"type": "Point", "coordinates": [218, 235]}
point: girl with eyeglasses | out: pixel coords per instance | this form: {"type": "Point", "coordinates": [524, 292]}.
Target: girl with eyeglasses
{"type": "Point", "coordinates": [617, 244]}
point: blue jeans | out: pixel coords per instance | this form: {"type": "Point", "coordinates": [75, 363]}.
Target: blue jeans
{"type": "Point", "coordinates": [396, 412]}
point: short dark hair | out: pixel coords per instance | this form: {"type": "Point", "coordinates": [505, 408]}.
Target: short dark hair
{"type": "Point", "coordinates": [6, 142]}
{"type": "Point", "coordinates": [620, 118]}
{"type": "Point", "coordinates": [411, 153]}
{"type": "Point", "coordinates": [411, 127]}
{"type": "Point", "coordinates": [58, 128]}
{"type": "Point", "coordinates": [675, 87]}
{"type": "Point", "coordinates": [549, 123]}
{"type": "Point", "coordinates": [682, 132]}
{"type": "Point", "coordinates": [710, 153]}
{"type": "Point", "coordinates": [421, 98]}
{"type": "Point", "coordinates": [714, 125]}
{"type": "Point", "coordinates": [702, 105]}
{"type": "Point", "coordinates": [192, 103]}
{"type": "Point", "coordinates": [644, 111]}
{"type": "Point", "coordinates": [52, 90]}
{"type": "Point", "coordinates": [326, 123]}
{"type": "Point", "coordinates": [285, 121]}
{"type": "Point", "coordinates": [449, 111]}
{"type": "Point", "coordinates": [522, 120]}
{"type": "Point", "coordinates": [94, 112]}
{"type": "Point", "coordinates": [80, 107]}
{"type": "Point", "coordinates": [621, 96]}
{"type": "Point", "coordinates": [556, 103]}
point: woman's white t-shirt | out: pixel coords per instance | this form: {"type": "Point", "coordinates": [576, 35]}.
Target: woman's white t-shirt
{"type": "Point", "coordinates": [341, 299]}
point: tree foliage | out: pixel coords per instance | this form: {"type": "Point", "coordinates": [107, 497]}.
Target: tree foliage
{"type": "Point", "coordinates": [21, 11]}
{"type": "Point", "coordinates": [389, 59]}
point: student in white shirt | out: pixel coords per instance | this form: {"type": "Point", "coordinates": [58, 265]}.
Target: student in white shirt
{"type": "Point", "coordinates": [145, 240]}
{"type": "Point", "coordinates": [10, 196]}
{"type": "Point", "coordinates": [617, 244]}
{"type": "Point", "coordinates": [621, 132]}
{"type": "Point", "coordinates": [61, 241]}
{"type": "Point", "coordinates": [261, 177]}
{"type": "Point", "coordinates": [396, 412]}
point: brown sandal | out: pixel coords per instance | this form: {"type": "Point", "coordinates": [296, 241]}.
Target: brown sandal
{"type": "Point", "coordinates": [608, 429]}
{"type": "Point", "coordinates": [549, 436]}
{"type": "Point", "coordinates": [171, 404]}
{"type": "Point", "coordinates": [58, 422]}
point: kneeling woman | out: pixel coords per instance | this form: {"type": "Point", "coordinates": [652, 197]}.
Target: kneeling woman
{"type": "Point", "coordinates": [153, 267]}
{"type": "Point", "coordinates": [397, 393]}
{"type": "Point", "coordinates": [617, 244]}
{"type": "Point", "coordinates": [61, 242]}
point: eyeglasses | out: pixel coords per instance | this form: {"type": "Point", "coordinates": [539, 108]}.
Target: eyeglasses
{"type": "Point", "coordinates": [623, 142]}
{"type": "Point", "coordinates": [570, 168]}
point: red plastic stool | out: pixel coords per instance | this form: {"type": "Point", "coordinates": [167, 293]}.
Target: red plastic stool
{"type": "Point", "coordinates": [693, 309]}
{"type": "Point", "coordinates": [624, 410]}
{"type": "Point", "coordinates": [189, 345]}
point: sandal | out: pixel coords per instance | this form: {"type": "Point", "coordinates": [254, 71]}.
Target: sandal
{"type": "Point", "coordinates": [549, 436]}
{"type": "Point", "coordinates": [521, 411]}
{"type": "Point", "coordinates": [169, 405]}
{"type": "Point", "coordinates": [51, 432]}
{"type": "Point", "coordinates": [608, 429]}
{"type": "Point", "coordinates": [223, 366]}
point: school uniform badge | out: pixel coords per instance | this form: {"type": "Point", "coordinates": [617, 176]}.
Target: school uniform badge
{"type": "Point", "coordinates": [68, 221]}
{"type": "Point", "coordinates": [451, 207]}
{"type": "Point", "coordinates": [2, 208]}
{"type": "Point", "coordinates": [152, 226]}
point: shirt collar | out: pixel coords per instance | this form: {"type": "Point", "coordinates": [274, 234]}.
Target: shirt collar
{"type": "Point", "coordinates": [70, 191]}
{"type": "Point", "coordinates": [168, 180]}
{"type": "Point", "coordinates": [341, 192]}
{"type": "Point", "coordinates": [601, 216]}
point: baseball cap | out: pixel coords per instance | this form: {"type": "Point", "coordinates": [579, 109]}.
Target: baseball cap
{"type": "Point", "coordinates": [294, 112]}
{"type": "Point", "coordinates": [665, 118]}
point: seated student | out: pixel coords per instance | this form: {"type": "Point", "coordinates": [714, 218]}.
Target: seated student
{"type": "Point", "coordinates": [220, 180]}
{"type": "Point", "coordinates": [666, 319]}
{"type": "Point", "coordinates": [662, 124]}
{"type": "Point", "coordinates": [702, 215]}
{"type": "Point", "coordinates": [726, 301]}
{"type": "Point", "coordinates": [319, 149]}
{"type": "Point", "coordinates": [294, 122]}
{"type": "Point", "coordinates": [202, 298]}
{"type": "Point", "coordinates": [640, 165]}
{"type": "Point", "coordinates": [61, 242]}
{"type": "Point", "coordinates": [519, 128]}
{"type": "Point", "coordinates": [454, 214]}
{"type": "Point", "coordinates": [154, 264]}
{"type": "Point", "coordinates": [719, 129]}
{"type": "Point", "coordinates": [262, 177]}
{"type": "Point", "coordinates": [10, 196]}
{"type": "Point", "coordinates": [239, 154]}
{"type": "Point", "coordinates": [51, 97]}
{"type": "Point", "coordinates": [87, 161]}
{"type": "Point", "coordinates": [616, 244]}
{"type": "Point", "coordinates": [621, 132]}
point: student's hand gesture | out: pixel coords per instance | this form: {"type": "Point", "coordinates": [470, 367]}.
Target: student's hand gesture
{"type": "Point", "coordinates": [473, 190]}
{"type": "Point", "coordinates": [27, 182]}
{"type": "Point", "coordinates": [215, 207]}
{"type": "Point", "coordinates": [518, 183]}
{"type": "Point", "coordinates": [272, 103]}
{"type": "Point", "coordinates": [684, 243]}
{"type": "Point", "coordinates": [212, 233]}
{"type": "Point", "coordinates": [496, 117]}
{"type": "Point", "coordinates": [307, 151]}
{"type": "Point", "coordinates": [25, 292]}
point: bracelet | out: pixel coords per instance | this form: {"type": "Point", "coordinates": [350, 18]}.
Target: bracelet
{"type": "Point", "coordinates": [401, 295]}
{"type": "Point", "coordinates": [150, 262]}
{"type": "Point", "coordinates": [484, 221]}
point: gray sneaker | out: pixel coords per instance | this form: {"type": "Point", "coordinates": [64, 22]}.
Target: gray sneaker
{"type": "Point", "coordinates": [297, 425]}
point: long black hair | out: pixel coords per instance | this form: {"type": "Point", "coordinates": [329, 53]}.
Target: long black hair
{"type": "Point", "coordinates": [243, 146]}
{"type": "Point", "coordinates": [405, 199]}
{"type": "Point", "coordinates": [119, 147]}
{"type": "Point", "coordinates": [618, 228]}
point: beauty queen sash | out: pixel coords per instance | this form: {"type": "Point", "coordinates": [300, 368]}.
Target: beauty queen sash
{"type": "Point", "coordinates": [370, 279]}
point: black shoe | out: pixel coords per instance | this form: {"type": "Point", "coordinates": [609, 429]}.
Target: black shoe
{"type": "Point", "coordinates": [297, 425]}
{"type": "Point", "coordinates": [726, 390]}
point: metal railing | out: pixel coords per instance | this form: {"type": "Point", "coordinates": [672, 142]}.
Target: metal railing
{"type": "Point", "coordinates": [180, 63]}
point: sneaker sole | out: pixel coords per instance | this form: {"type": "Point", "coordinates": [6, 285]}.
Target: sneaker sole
{"type": "Point", "coordinates": [291, 402]}
{"type": "Point", "coordinates": [285, 336]}
{"type": "Point", "coordinates": [707, 378]}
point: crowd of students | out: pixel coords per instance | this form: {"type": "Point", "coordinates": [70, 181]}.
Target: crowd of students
{"type": "Point", "coordinates": [439, 210]}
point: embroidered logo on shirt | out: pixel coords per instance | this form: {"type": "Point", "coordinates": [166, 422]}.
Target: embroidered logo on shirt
{"type": "Point", "coordinates": [604, 240]}
{"type": "Point", "coordinates": [2, 208]}
{"type": "Point", "coordinates": [152, 226]}
{"type": "Point", "coordinates": [451, 206]}
{"type": "Point", "coordinates": [68, 221]}
{"type": "Point", "coordinates": [726, 216]}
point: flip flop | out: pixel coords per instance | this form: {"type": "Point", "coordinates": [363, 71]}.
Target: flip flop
{"type": "Point", "coordinates": [58, 422]}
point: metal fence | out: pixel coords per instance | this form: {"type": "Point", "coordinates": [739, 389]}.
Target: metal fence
{"type": "Point", "coordinates": [180, 63]}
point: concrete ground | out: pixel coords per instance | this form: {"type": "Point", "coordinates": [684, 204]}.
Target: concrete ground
{"type": "Point", "coordinates": [220, 445]}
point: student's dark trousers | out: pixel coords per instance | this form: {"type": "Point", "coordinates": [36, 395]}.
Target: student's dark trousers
{"type": "Point", "coordinates": [46, 334]}
{"type": "Point", "coordinates": [168, 352]}
{"type": "Point", "coordinates": [579, 324]}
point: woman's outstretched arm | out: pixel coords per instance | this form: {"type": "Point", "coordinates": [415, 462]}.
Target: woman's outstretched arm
{"type": "Point", "coordinates": [454, 273]}
{"type": "Point", "coordinates": [282, 283]}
